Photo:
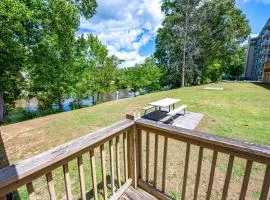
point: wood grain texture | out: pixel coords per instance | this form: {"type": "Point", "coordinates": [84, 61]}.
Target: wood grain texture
{"type": "Point", "coordinates": [112, 165]}
{"type": "Point", "coordinates": [233, 147]}
{"type": "Point", "coordinates": [228, 178]}
{"type": "Point", "coordinates": [125, 155]}
{"type": "Point", "coordinates": [103, 169]}
{"type": "Point", "coordinates": [81, 177]}
{"type": "Point", "coordinates": [164, 169]}
{"type": "Point", "coordinates": [139, 151]}
{"type": "Point", "coordinates": [156, 160]}
{"type": "Point", "coordinates": [147, 156]}
{"type": "Point", "coordinates": [153, 190]}
{"type": "Point", "coordinates": [121, 190]}
{"type": "Point", "coordinates": [266, 184]}
{"type": "Point", "coordinates": [50, 184]}
{"type": "Point", "coordinates": [118, 162]}
{"type": "Point", "coordinates": [132, 163]}
{"type": "Point", "coordinates": [67, 181]}
{"type": "Point", "coordinates": [212, 175]}
{"type": "Point", "coordinates": [198, 175]}
{"type": "Point", "coordinates": [13, 177]}
{"type": "Point", "coordinates": [94, 173]}
{"type": "Point", "coordinates": [245, 180]}
{"type": "Point", "coordinates": [30, 190]}
{"type": "Point", "coordinates": [183, 196]}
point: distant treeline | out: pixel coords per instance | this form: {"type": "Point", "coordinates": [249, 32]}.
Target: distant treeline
{"type": "Point", "coordinates": [42, 56]}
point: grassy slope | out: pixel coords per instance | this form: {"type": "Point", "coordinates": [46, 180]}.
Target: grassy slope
{"type": "Point", "coordinates": [240, 111]}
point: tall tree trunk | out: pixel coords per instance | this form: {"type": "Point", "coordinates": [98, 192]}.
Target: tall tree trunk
{"type": "Point", "coordinates": [60, 104]}
{"type": "Point", "coordinates": [2, 106]}
{"type": "Point", "coordinates": [184, 64]}
{"type": "Point", "coordinates": [185, 48]}
{"type": "Point", "coordinates": [98, 94]}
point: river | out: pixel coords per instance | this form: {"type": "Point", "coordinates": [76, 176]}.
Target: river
{"type": "Point", "coordinates": [32, 104]}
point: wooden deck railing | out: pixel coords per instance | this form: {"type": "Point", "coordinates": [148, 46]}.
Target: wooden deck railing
{"type": "Point", "coordinates": [234, 148]}
{"type": "Point", "coordinates": [132, 131]}
{"type": "Point", "coordinates": [25, 172]}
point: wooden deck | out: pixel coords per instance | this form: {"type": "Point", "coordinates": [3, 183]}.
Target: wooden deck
{"type": "Point", "coordinates": [138, 193]}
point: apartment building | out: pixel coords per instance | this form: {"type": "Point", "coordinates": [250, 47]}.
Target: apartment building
{"type": "Point", "coordinates": [258, 57]}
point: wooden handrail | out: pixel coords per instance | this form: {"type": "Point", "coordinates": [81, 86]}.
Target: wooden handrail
{"type": "Point", "coordinates": [234, 147]}
{"type": "Point", "coordinates": [24, 172]}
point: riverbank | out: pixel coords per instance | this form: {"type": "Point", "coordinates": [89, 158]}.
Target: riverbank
{"type": "Point", "coordinates": [240, 111]}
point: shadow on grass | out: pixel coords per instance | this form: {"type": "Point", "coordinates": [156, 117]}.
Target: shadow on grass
{"type": "Point", "coordinates": [90, 194]}
{"type": "Point", "coordinates": [4, 165]}
{"type": "Point", "coordinates": [160, 116]}
{"type": "Point", "coordinates": [264, 85]}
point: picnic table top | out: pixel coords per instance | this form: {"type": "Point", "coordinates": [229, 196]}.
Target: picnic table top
{"type": "Point", "coordinates": [164, 102]}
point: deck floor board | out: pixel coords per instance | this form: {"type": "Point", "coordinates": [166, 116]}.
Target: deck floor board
{"type": "Point", "coordinates": [134, 194]}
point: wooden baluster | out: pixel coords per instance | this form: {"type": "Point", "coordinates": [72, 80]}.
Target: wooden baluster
{"type": "Point", "coordinates": [212, 174]}
{"type": "Point", "coordinates": [118, 162]}
{"type": "Point", "coordinates": [156, 160]}
{"type": "Point", "coordinates": [125, 155]}
{"type": "Point", "coordinates": [30, 190]}
{"type": "Point", "coordinates": [50, 184]}
{"type": "Point", "coordinates": [199, 167]}
{"type": "Point", "coordinates": [147, 156]}
{"type": "Point", "coordinates": [266, 184]}
{"type": "Point", "coordinates": [132, 157]}
{"type": "Point", "coordinates": [94, 174]}
{"type": "Point", "coordinates": [228, 178]}
{"type": "Point", "coordinates": [67, 181]}
{"type": "Point", "coordinates": [139, 154]}
{"type": "Point", "coordinates": [102, 152]}
{"type": "Point", "coordinates": [81, 177]}
{"type": "Point", "coordinates": [112, 165]}
{"type": "Point", "coordinates": [164, 164]}
{"type": "Point", "coordinates": [245, 180]}
{"type": "Point", "coordinates": [185, 172]}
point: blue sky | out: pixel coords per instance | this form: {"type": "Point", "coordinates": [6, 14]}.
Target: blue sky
{"type": "Point", "coordinates": [257, 12]}
{"type": "Point", "coordinates": [129, 27]}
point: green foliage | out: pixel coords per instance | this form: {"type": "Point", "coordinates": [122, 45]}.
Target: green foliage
{"type": "Point", "coordinates": [146, 75]}
{"type": "Point", "coordinates": [96, 70]}
{"type": "Point", "coordinates": [198, 37]}
{"type": "Point", "coordinates": [36, 46]}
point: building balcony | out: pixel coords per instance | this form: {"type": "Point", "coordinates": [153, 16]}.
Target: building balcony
{"type": "Point", "coordinates": [266, 43]}
{"type": "Point", "coordinates": [265, 52]}
{"type": "Point", "coordinates": [266, 33]}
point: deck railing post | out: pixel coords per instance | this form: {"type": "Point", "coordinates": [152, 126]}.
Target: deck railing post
{"type": "Point", "coordinates": [133, 154]}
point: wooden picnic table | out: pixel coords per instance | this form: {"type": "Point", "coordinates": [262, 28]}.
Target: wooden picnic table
{"type": "Point", "coordinates": [167, 102]}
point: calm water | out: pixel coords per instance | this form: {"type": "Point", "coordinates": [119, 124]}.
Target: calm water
{"type": "Point", "coordinates": [32, 104]}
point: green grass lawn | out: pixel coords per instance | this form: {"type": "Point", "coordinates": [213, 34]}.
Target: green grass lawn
{"type": "Point", "coordinates": [241, 111]}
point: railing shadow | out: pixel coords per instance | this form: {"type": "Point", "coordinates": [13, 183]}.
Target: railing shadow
{"type": "Point", "coordinates": [4, 162]}
{"type": "Point", "coordinates": [90, 194]}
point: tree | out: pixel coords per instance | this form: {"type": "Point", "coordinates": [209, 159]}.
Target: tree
{"type": "Point", "coordinates": [236, 62]}
{"type": "Point", "coordinates": [36, 35]}
{"type": "Point", "coordinates": [96, 69]}
{"type": "Point", "coordinates": [146, 76]}
{"type": "Point", "coordinates": [199, 36]}
{"type": "Point", "coordinates": [15, 31]}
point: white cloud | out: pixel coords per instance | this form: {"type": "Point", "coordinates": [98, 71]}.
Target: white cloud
{"type": "Point", "coordinates": [125, 26]}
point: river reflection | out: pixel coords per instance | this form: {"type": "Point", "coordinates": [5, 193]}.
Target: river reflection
{"type": "Point", "coordinates": [32, 104]}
